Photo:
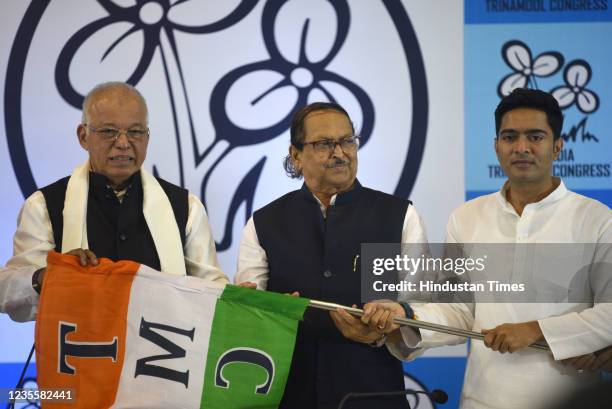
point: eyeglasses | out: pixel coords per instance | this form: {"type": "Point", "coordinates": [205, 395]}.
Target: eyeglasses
{"type": "Point", "coordinates": [112, 134]}
{"type": "Point", "coordinates": [329, 145]}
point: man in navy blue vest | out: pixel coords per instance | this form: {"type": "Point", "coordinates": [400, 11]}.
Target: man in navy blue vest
{"type": "Point", "coordinates": [109, 207]}
{"type": "Point", "coordinates": [308, 242]}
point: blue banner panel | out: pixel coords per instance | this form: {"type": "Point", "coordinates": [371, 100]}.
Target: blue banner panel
{"type": "Point", "coordinates": [571, 61]}
{"type": "Point", "coordinates": [445, 373]}
{"type": "Point", "coordinates": [10, 372]}
{"type": "Point", "coordinates": [536, 11]}
{"type": "Point", "coordinates": [9, 376]}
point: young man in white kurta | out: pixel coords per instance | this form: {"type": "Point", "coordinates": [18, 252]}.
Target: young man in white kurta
{"type": "Point", "coordinates": [524, 378]}
{"type": "Point", "coordinates": [532, 207]}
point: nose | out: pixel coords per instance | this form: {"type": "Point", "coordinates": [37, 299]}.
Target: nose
{"type": "Point", "coordinates": [522, 145]}
{"type": "Point", "coordinates": [337, 151]}
{"type": "Point", "coordinates": [121, 141]}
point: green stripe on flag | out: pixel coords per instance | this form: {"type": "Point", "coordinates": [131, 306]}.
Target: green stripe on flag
{"type": "Point", "coordinates": [250, 348]}
{"type": "Point", "coordinates": [292, 307]}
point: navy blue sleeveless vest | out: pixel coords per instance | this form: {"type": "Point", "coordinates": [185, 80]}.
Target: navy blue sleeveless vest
{"type": "Point", "coordinates": [315, 255]}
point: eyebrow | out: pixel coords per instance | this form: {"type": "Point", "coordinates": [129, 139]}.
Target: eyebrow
{"type": "Point", "coordinates": [329, 138]}
{"type": "Point", "coordinates": [112, 125]}
{"type": "Point", "coordinates": [529, 131]}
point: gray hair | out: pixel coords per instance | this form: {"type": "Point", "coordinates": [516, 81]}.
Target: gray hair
{"type": "Point", "coordinates": [105, 86]}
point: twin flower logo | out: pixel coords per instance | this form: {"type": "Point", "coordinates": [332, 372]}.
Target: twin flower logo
{"type": "Point", "coordinates": [526, 70]}
{"type": "Point", "coordinates": [223, 78]}
{"type": "Point", "coordinates": [155, 20]}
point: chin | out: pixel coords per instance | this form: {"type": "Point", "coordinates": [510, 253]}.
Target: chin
{"type": "Point", "coordinates": [123, 168]}
{"type": "Point", "coordinates": [339, 178]}
{"type": "Point", "coordinates": [523, 178]}
{"type": "Point", "coordinates": [344, 183]}
{"type": "Point", "coordinates": [122, 173]}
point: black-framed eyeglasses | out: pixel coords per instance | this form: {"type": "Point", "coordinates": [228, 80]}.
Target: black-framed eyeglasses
{"type": "Point", "coordinates": [112, 134]}
{"type": "Point", "coordinates": [349, 144]}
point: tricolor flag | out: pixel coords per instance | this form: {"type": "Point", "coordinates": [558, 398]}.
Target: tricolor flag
{"type": "Point", "coordinates": [124, 335]}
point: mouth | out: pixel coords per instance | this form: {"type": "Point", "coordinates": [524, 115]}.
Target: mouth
{"type": "Point", "coordinates": [523, 163]}
{"type": "Point", "coordinates": [337, 164]}
{"type": "Point", "coordinates": [122, 159]}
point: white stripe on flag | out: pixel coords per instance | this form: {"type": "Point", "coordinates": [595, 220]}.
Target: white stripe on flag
{"type": "Point", "coordinates": [185, 303]}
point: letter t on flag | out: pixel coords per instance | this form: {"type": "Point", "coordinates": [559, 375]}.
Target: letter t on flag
{"type": "Point", "coordinates": [124, 335]}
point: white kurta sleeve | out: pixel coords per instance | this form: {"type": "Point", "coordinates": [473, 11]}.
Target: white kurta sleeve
{"type": "Point", "coordinates": [457, 315]}
{"type": "Point", "coordinates": [31, 243]}
{"type": "Point", "coordinates": [413, 230]}
{"type": "Point", "coordinates": [414, 245]}
{"type": "Point", "coordinates": [252, 259]}
{"type": "Point", "coordinates": [589, 330]}
{"type": "Point", "coordinates": [17, 297]}
{"type": "Point", "coordinates": [200, 254]}
{"type": "Point", "coordinates": [414, 340]}
{"type": "Point", "coordinates": [578, 333]}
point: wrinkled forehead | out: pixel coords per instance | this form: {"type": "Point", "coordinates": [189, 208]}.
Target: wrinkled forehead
{"type": "Point", "coordinates": [327, 120]}
{"type": "Point", "coordinates": [116, 102]}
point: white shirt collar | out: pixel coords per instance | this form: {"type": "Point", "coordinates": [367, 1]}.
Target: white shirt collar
{"type": "Point", "coordinates": [554, 196]}
{"type": "Point", "coordinates": [322, 206]}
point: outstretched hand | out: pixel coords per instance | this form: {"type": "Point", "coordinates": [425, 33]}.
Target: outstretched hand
{"type": "Point", "coordinates": [247, 284]}
{"type": "Point", "coordinates": [380, 315]}
{"type": "Point", "coordinates": [512, 337]}
{"type": "Point", "coordinates": [600, 360]}
{"type": "Point", "coordinates": [352, 327]}
{"type": "Point", "coordinates": [85, 256]}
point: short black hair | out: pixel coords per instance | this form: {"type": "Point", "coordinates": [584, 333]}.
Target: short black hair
{"type": "Point", "coordinates": [297, 130]}
{"type": "Point", "coordinates": [534, 99]}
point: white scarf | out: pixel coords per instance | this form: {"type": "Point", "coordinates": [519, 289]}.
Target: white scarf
{"type": "Point", "coordinates": [157, 213]}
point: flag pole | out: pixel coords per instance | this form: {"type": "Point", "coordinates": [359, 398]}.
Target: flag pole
{"type": "Point", "coordinates": [322, 305]}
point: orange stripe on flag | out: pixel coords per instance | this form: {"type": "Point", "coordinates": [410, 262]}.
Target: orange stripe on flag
{"type": "Point", "coordinates": [90, 306]}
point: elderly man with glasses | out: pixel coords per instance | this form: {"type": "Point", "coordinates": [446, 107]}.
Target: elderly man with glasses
{"type": "Point", "coordinates": [308, 242]}
{"type": "Point", "coordinates": [109, 207]}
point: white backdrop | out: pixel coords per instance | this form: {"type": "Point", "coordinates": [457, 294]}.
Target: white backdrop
{"type": "Point", "coordinates": [209, 118]}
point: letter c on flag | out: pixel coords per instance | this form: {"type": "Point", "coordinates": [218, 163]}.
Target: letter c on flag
{"type": "Point", "coordinates": [247, 356]}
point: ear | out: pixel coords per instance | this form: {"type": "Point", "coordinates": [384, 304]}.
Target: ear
{"type": "Point", "coordinates": [495, 140]}
{"type": "Point", "coordinates": [82, 135]}
{"type": "Point", "coordinates": [295, 155]}
{"type": "Point", "coordinates": [557, 146]}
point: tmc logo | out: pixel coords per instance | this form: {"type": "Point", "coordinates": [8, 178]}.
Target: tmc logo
{"type": "Point", "coordinates": [573, 92]}
{"type": "Point", "coordinates": [222, 80]}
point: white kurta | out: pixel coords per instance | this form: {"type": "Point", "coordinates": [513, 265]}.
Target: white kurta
{"type": "Point", "coordinates": [34, 239]}
{"type": "Point", "coordinates": [527, 378]}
